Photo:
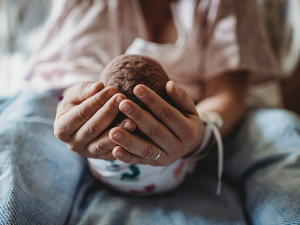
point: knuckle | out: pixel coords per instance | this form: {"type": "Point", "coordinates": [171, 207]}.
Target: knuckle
{"type": "Point", "coordinates": [101, 147]}
{"type": "Point", "coordinates": [110, 111]}
{"type": "Point", "coordinates": [108, 157]}
{"type": "Point", "coordinates": [82, 86]}
{"type": "Point", "coordinates": [91, 130]}
{"type": "Point", "coordinates": [167, 114]}
{"type": "Point", "coordinates": [129, 159]}
{"type": "Point", "coordinates": [60, 134]}
{"type": "Point", "coordinates": [141, 161]}
{"type": "Point", "coordinates": [82, 114]}
{"type": "Point", "coordinates": [128, 143]}
{"type": "Point", "coordinates": [137, 115]}
{"type": "Point", "coordinates": [148, 153]}
{"type": "Point", "coordinates": [72, 147]}
{"type": "Point", "coordinates": [157, 133]}
{"type": "Point", "coordinates": [97, 101]}
{"type": "Point", "coordinates": [151, 100]}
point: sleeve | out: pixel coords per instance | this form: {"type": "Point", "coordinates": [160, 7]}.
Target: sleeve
{"type": "Point", "coordinates": [234, 39]}
{"type": "Point", "coordinates": [80, 38]}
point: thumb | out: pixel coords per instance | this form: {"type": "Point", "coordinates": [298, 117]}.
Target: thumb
{"type": "Point", "coordinates": [180, 98]}
{"type": "Point", "coordinates": [83, 91]}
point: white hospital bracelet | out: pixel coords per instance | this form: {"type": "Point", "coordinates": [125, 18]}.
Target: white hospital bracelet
{"type": "Point", "coordinates": [214, 120]}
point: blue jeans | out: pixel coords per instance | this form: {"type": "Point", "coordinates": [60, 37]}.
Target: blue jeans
{"type": "Point", "coordinates": [42, 182]}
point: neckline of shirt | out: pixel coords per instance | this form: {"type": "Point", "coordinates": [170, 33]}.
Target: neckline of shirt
{"type": "Point", "coordinates": [181, 33]}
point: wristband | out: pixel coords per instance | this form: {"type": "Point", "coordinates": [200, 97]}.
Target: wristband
{"type": "Point", "coordinates": [213, 122]}
{"type": "Point", "coordinates": [205, 142]}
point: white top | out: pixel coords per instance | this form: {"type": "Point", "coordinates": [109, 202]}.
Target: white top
{"type": "Point", "coordinates": [214, 37]}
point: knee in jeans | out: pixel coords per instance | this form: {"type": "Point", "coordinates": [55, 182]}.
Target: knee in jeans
{"type": "Point", "coordinates": [273, 121]}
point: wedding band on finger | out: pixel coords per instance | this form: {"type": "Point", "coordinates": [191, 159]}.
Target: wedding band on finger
{"type": "Point", "coordinates": [159, 154]}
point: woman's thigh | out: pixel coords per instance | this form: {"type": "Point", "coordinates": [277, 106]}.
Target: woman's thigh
{"type": "Point", "coordinates": [194, 202]}
{"type": "Point", "coordinates": [38, 174]}
{"type": "Point", "coordinates": [42, 182]}
{"type": "Point", "coordinates": [264, 157]}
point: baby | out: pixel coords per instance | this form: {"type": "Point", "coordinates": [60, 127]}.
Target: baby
{"type": "Point", "coordinates": [124, 73]}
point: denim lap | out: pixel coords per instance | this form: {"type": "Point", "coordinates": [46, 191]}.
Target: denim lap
{"type": "Point", "coordinates": [42, 182]}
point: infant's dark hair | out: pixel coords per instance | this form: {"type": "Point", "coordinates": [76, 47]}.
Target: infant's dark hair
{"type": "Point", "coordinates": [127, 71]}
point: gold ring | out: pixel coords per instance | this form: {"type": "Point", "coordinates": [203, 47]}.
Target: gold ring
{"type": "Point", "coordinates": [159, 154]}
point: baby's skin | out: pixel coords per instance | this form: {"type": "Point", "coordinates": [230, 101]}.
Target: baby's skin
{"type": "Point", "coordinates": [127, 71]}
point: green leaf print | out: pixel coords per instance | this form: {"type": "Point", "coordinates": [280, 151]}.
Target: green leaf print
{"type": "Point", "coordinates": [131, 177]}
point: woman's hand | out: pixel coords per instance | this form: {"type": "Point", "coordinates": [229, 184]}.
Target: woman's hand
{"type": "Point", "coordinates": [84, 114]}
{"type": "Point", "coordinates": [178, 133]}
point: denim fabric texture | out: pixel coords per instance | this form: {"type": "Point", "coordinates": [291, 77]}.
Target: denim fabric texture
{"type": "Point", "coordinates": [42, 182]}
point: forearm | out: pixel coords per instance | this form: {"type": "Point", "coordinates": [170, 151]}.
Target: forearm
{"type": "Point", "coordinates": [226, 95]}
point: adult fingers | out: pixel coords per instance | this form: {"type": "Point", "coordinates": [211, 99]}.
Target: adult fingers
{"type": "Point", "coordinates": [150, 126]}
{"type": "Point", "coordinates": [83, 91]}
{"type": "Point", "coordinates": [77, 94]}
{"type": "Point", "coordinates": [127, 157]}
{"type": "Point", "coordinates": [180, 97]}
{"type": "Point", "coordinates": [98, 122]}
{"type": "Point", "coordinates": [71, 120]}
{"type": "Point", "coordinates": [178, 123]}
{"type": "Point", "coordinates": [138, 150]}
{"type": "Point", "coordinates": [102, 146]}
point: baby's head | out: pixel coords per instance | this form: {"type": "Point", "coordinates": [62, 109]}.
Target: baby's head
{"type": "Point", "coordinates": [127, 71]}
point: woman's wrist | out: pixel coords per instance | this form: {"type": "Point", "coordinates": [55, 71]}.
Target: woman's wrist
{"type": "Point", "coordinates": [208, 138]}
{"type": "Point", "coordinates": [213, 121]}
{"type": "Point", "coordinates": [205, 139]}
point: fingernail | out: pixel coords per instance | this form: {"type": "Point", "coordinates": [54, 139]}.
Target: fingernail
{"type": "Point", "coordinates": [139, 91]}
{"type": "Point", "coordinates": [118, 136]}
{"type": "Point", "coordinates": [120, 154]}
{"type": "Point", "coordinates": [128, 126]}
{"type": "Point", "coordinates": [92, 86]}
{"type": "Point", "coordinates": [119, 99]}
{"type": "Point", "coordinates": [126, 108]}
{"type": "Point", "coordinates": [110, 93]}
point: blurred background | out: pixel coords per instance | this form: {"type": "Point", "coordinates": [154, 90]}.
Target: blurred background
{"type": "Point", "coordinates": [22, 22]}
{"type": "Point", "coordinates": [21, 25]}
